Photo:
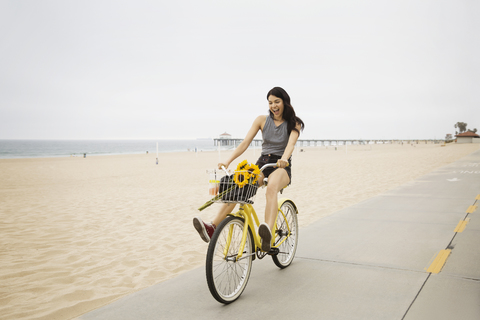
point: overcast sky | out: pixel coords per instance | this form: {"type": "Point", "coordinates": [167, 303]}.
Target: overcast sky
{"type": "Point", "coordinates": [194, 69]}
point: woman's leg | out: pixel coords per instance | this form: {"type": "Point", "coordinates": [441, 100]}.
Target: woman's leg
{"type": "Point", "coordinates": [206, 230]}
{"type": "Point", "coordinates": [225, 209]}
{"type": "Point", "coordinates": [277, 180]}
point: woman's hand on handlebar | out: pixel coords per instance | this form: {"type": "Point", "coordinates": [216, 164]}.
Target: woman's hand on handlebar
{"type": "Point", "coordinates": [282, 163]}
{"type": "Point", "coordinates": [220, 165]}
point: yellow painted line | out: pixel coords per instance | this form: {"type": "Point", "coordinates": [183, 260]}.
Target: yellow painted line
{"type": "Point", "coordinates": [471, 209]}
{"type": "Point", "coordinates": [461, 225]}
{"type": "Point", "coordinates": [478, 197]}
{"type": "Point", "coordinates": [439, 261]}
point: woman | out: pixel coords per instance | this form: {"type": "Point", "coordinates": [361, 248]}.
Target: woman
{"type": "Point", "coordinates": [280, 131]}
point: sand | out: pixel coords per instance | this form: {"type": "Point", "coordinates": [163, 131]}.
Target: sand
{"type": "Point", "coordinates": [77, 233]}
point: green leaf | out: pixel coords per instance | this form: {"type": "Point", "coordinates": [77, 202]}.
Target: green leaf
{"type": "Point", "coordinates": [216, 198]}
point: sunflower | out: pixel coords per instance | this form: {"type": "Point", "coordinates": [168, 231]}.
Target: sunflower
{"type": "Point", "coordinates": [241, 175]}
{"type": "Point", "coordinates": [254, 172]}
{"type": "Point", "coordinates": [243, 165]}
{"type": "Point", "coordinates": [246, 173]}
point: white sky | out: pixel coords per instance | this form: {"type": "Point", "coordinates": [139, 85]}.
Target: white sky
{"type": "Point", "coordinates": [185, 69]}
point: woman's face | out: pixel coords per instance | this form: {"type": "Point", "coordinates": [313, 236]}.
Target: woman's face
{"type": "Point", "coordinates": [276, 106]}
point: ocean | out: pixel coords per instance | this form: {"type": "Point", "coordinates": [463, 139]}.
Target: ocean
{"type": "Point", "coordinates": [10, 149]}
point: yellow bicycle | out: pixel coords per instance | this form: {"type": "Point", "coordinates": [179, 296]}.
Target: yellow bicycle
{"type": "Point", "coordinates": [235, 242]}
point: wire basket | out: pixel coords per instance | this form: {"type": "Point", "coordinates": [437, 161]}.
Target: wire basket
{"type": "Point", "coordinates": [238, 187]}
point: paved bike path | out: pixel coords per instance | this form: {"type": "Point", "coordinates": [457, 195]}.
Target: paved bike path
{"type": "Point", "coordinates": [368, 261]}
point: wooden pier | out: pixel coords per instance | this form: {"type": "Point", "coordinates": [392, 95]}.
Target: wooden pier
{"type": "Point", "coordinates": [331, 142]}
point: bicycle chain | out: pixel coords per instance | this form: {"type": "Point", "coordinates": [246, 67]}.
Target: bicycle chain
{"type": "Point", "coordinates": [261, 254]}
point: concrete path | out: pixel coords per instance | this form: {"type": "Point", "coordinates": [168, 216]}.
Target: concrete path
{"type": "Point", "coordinates": [412, 253]}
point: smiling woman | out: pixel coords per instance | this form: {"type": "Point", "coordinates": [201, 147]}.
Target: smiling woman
{"type": "Point", "coordinates": [279, 100]}
{"type": "Point", "coordinates": [280, 131]}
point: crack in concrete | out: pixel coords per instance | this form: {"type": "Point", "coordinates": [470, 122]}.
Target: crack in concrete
{"type": "Point", "coordinates": [361, 264]}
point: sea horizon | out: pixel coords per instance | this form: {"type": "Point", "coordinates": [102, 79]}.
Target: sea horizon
{"type": "Point", "coordinates": [46, 148]}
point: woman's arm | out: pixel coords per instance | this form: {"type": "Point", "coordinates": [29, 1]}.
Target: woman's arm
{"type": "Point", "coordinates": [292, 140]}
{"type": "Point", "coordinates": [257, 125]}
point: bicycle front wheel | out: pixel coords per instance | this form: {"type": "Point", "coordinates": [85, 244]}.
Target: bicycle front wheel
{"type": "Point", "coordinates": [227, 277]}
{"type": "Point", "coordinates": [286, 231]}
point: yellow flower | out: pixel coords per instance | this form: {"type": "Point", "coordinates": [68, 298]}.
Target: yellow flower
{"type": "Point", "coordinates": [254, 172]}
{"type": "Point", "coordinates": [246, 173]}
{"type": "Point", "coordinates": [241, 178]}
{"type": "Point", "coordinates": [241, 175]}
{"type": "Point", "coordinates": [242, 165]}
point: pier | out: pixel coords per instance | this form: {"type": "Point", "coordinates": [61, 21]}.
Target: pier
{"type": "Point", "coordinates": [235, 142]}
{"type": "Point", "coordinates": [332, 142]}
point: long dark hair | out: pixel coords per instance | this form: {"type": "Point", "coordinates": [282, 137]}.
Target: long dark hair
{"type": "Point", "coordinates": [288, 112]}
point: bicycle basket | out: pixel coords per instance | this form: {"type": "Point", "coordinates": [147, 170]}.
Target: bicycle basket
{"type": "Point", "coordinates": [239, 187]}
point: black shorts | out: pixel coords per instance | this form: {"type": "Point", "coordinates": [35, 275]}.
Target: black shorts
{"type": "Point", "coordinates": [271, 158]}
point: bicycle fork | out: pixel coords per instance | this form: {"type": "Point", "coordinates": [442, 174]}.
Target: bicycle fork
{"type": "Point", "coordinates": [247, 223]}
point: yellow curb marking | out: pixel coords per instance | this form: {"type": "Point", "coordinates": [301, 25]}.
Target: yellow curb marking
{"type": "Point", "coordinates": [441, 258]}
{"type": "Point", "coordinates": [439, 261]}
{"type": "Point", "coordinates": [471, 209]}
{"type": "Point", "coordinates": [461, 225]}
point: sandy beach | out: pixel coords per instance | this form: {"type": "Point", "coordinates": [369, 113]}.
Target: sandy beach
{"type": "Point", "coordinates": [77, 233]}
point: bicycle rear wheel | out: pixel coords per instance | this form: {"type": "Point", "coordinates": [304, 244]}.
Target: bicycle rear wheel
{"type": "Point", "coordinates": [287, 229]}
{"type": "Point", "coordinates": [227, 277]}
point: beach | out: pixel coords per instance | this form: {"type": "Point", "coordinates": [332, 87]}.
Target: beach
{"type": "Point", "coordinates": [77, 233]}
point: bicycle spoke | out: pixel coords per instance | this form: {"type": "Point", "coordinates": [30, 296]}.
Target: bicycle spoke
{"type": "Point", "coordinates": [228, 276]}
{"type": "Point", "coordinates": [286, 237]}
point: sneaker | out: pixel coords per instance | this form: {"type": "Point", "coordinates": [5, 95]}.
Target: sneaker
{"type": "Point", "coordinates": [205, 230]}
{"type": "Point", "coordinates": [266, 236]}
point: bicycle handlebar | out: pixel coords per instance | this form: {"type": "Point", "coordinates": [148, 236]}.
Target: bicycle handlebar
{"type": "Point", "coordinates": [268, 165]}
{"type": "Point", "coordinates": [225, 169]}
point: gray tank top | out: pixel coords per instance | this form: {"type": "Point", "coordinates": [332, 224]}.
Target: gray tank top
{"type": "Point", "coordinates": [275, 139]}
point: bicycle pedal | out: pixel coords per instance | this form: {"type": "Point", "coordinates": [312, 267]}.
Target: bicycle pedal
{"type": "Point", "coordinates": [273, 251]}
{"type": "Point", "coordinates": [261, 254]}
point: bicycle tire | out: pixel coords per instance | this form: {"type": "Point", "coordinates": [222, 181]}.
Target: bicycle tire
{"type": "Point", "coordinates": [288, 248]}
{"type": "Point", "coordinates": [227, 279]}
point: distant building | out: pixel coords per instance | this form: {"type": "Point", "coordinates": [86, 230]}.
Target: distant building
{"type": "Point", "coordinates": [225, 136]}
{"type": "Point", "coordinates": [468, 137]}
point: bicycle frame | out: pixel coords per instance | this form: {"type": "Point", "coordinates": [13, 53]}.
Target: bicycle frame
{"type": "Point", "coordinates": [247, 212]}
